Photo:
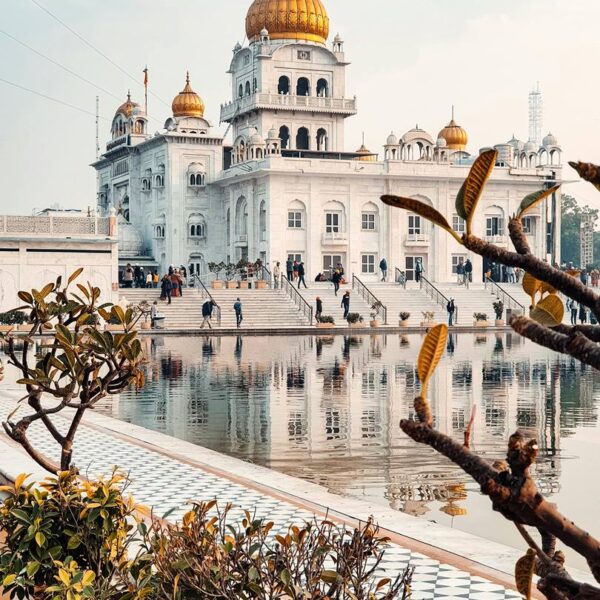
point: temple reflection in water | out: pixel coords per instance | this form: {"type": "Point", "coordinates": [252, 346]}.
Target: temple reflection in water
{"type": "Point", "coordinates": [327, 409]}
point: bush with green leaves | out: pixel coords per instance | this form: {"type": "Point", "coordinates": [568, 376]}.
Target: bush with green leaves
{"type": "Point", "coordinates": [498, 309]}
{"type": "Point", "coordinates": [14, 317]}
{"type": "Point", "coordinates": [69, 535]}
{"type": "Point", "coordinates": [354, 318]}
{"type": "Point", "coordinates": [480, 316]}
{"type": "Point", "coordinates": [404, 316]}
{"type": "Point", "coordinates": [327, 319]}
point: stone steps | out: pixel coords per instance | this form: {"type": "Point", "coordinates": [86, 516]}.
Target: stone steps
{"type": "Point", "coordinates": [261, 308]}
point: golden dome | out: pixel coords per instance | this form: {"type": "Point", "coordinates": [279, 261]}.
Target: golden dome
{"type": "Point", "coordinates": [456, 137]}
{"type": "Point", "coordinates": [305, 20]}
{"type": "Point", "coordinates": [127, 108]}
{"type": "Point", "coordinates": [187, 103]}
{"type": "Point", "coordinates": [367, 155]}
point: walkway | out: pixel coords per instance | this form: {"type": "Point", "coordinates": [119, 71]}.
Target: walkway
{"type": "Point", "coordinates": [166, 473]}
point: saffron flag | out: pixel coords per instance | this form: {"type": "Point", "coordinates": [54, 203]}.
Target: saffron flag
{"type": "Point", "coordinates": [146, 76]}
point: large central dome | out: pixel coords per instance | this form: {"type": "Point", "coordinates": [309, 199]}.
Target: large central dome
{"type": "Point", "coordinates": [305, 20]}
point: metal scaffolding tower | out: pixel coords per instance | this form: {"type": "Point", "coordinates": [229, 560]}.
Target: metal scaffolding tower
{"type": "Point", "coordinates": [536, 114]}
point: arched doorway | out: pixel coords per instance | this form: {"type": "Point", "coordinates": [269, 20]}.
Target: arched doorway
{"type": "Point", "coordinates": [284, 85]}
{"type": "Point", "coordinates": [284, 135]}
{"type": "Point", "coordinates": [303, 87]}
{"type": "Point", "coordinates": [302, 139]}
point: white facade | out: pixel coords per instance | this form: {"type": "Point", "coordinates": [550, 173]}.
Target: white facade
{"type": "Point", "coordinates": [288, 188]}
{"type": "Point", "coordinates": [35, 251]}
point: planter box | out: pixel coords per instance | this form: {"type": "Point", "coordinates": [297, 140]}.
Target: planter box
{"type": "Point", "coordinates": [481, 324]}
{"type": "Point", "coordinates": [499, 323]}
{"type": "Point", "coordinates": [356, 325]}
{"type": "Point", "coordinates": [231, 285]}
{"type": "Point", "coordinates": [146, 325]}
{"type": "Point", "coordinates": [23, 327]}
{"type": "Point", "coordinates": [374, 323]}
{"type": "Point", "coordinates": [244, 285]}
{"type": "Point", "coordinates": [403, 323]}
{"type": "Point", "coordinates": [5, 328]}
{"type": "Point", "coordinates": [217, 284]}
{"type": "Point", "coordinates": [260, 285]}
{"type": "Point", "coordinates": [325, 325]}
{"type": "Point", "coordinates": [427, 324]}
{"type": "Point", "coordinates": [117, 328]}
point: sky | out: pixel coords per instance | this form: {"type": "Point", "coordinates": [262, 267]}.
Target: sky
{"type": "Point", "coordinates": [411, 61]}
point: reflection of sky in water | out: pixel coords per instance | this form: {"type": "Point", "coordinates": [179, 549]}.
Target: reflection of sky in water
{"type": "Point", "coordinates": [327, 410]}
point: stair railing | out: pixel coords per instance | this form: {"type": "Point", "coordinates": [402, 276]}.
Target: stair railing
{"type": "Point", "coordinates": [206, 295]}
{"type": "Point", "coordinates": [297, 298]}
{"type": "Point", "coordinates": [367, 295]}
{"type": "Point", "coordinates": [503, 295]}
{"type": "Point", "coordinates": [437, 296]}
{"type": "Point", "coordinates": [266, 275]}
{"type": "Point", "coordinates": [400, 277]}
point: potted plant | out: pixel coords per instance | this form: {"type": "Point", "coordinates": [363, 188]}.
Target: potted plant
{"type": "Point", "coordinates": [260, 283]}
{"type": "Point", "coordinates": [114, 324]}
{"type": "Point", "coordinates": [481, 320]}
{"type": "Point", "coordinates": [326, 322]}
{"type": "Point", "coordinates": [355, 320]}
{"type": "Point", "coordinates": [404, 317]}
{"type": "Point", "coordinates": [375, 308]}
{"type": "Point", "coordinates": [230, 273]}
{"type": "Point", "coordinates": [145, 310]}
{"type": "Point", "coordinates": [242, 269]}
{"type": "Point", "coordinates": [6, 321]}
{"type": "Point", "coordinates": [216, 268]}
{"type": "Point", "coordinates": [499, 311]}
{"type": "Point", "coordinates": [428, 318]}
{"type": "Point", "coordinates": [20, 321]}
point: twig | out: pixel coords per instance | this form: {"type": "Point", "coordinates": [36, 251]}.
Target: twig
{"type": "Point", "coordinates": [469, 429]}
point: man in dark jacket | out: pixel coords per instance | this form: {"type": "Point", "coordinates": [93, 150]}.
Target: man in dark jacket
{"type": "Point", "coordinates": [207, 310]}
{"type": "Point", "coordinates": [301, 273]}
{"type": "Point", "coordinates": [165, 288]}
{"type": "Point", "coordinates": [335, 279]}
{"type": "Point", "coordinates": [319, 310]}
{"type": "Point", "coordinates": [451, 308]}
{"type": "Point", "coordinates": [468, 271]}
{"type": "Point", "coordinates": [346, 304]}
{"type": "Point", "coordinates": [384, 269]}
{"type": "Point", "coordinates": [238, 313]}
{"type": "Point", "coordinates": [289, 268]}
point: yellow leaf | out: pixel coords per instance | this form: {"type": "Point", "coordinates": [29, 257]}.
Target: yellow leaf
{"type": "Point", "coordinates": [531, 286]}
{"type": "Point", "coordinates": [422, 209]}
{"type": "Point", "coordinates": [88, 578]}
{"type": "Point", "coordinates": [40, 539]}
{"type": "Point", "coordinates": [472, 189]}
{"type": "Point", "coordinates": [64, 576]}
{"type": "Point", "coordinates": [532, 200]}
{"type": "Point", "coordinates": [549, 311]}
{"type": "Point", "coordinates": [431, 352]}
{"type": "Point", "coordinates": [524, 573]}
{"type": "Point", "coordinates": [75, 275]}
{"type": "Point", "coordinates": [9, 579]}
{"type": "Point", "coordinates": [20, 480]}
{"type": "Point", "coordinates": [547, 288]}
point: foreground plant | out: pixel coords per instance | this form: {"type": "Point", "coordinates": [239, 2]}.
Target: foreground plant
{"type": "Point", "coordinates": [76, 368]}
{"type": "Point", "coordinates": [509, 484]}
{"type": "Point", "coordinates": [206, 556]}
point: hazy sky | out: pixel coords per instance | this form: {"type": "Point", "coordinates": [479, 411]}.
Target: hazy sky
{"type": "Point", "coordinates": [411, 60]}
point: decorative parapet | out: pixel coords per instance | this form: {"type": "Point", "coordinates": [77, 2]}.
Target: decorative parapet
{"type": "Point", "coordinates": [19, 226]}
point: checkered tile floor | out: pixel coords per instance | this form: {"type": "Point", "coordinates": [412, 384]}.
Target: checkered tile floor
{"type": "Point", "coordinates": [165, 483]}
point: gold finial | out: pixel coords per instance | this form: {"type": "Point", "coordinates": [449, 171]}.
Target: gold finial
{"type": "Point", "coordinates": [453, 112]}
{"type": "Point", "coordinates": [129, 95]}
{"type": "Point", "coordinates": [187, 77]}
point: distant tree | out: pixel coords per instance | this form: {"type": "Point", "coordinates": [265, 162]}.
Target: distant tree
{"type": "Point", "coordinates": [570, 235]}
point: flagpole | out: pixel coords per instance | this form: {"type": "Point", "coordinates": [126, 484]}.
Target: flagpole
{"type": "Point", "coordinates": [146, 90]}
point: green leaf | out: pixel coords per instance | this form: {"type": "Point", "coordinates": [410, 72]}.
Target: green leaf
{"type": "Point", "coordinates": [472, 188]}
{"type": "Point", "coordinates": [329, 576]}
{"type": "Point", "coordinates": [532, 200]}
{"type": "Point", "coordinates": [40, 539]}
{"type": "Point", "coordinates": [74, 542]}
{"type": "Point", "coordinates": [118, 312]}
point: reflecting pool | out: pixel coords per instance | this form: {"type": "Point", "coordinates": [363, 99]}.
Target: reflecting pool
{"type": "Point", "coordinates": [327, 409]}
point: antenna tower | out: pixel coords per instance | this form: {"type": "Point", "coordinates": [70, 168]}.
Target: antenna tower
{"type": "Point", "coordinates": [536, 114]}
{"type": "Point", "coordinates": [97, 127]}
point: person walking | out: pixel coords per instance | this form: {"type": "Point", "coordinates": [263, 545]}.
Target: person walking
{"type": "Point", "coordinates": [582, 314]}
{"type": "Point", "coordinates": [460, 272]}
{"type": "Point", "coordinates": [346, 304]}
{"type": "Point", "coordinates": [289, 269]}
{"type": "Point", "coordinates": [276, 275]}
{"type": "Point", "coordinates": [301, 274]}
{"type": "Point", "coordinates": [155, 279]}
{"type": "Point", "coordinates": [335, 279]}
{"type": "Point", "coordinates": [468, 271]}
{"type": "Point", "coordinates": [418, 270]}
{"type": "Point", "coordinates": [149, 280]}
{"type": "Point", "coordinates": [572, 307]}
{"type": "Point", "coordinates": [451, 308]}
{"type": "Point", "coordinates": [153, 314]}
{"type": "Point", "coordinates": [319, 310]}
{"type": "Point", "coordinates": [237, 307]}
{"type": "Point", "coordinates": [165, 288]}
{"type": "Point", "coordinates": [510, 272]}
{"type": "Point", "coordinates": [128, 276]}
{"type": "Point", "coordinates": [384, 269]}
{"type": "Point", "coordinates": [207, 310]}
{"type": "Point", "coordinates": [295, 269]}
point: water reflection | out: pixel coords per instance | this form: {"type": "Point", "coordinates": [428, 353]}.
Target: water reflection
{"type": "Point", "coordinates": [327, 409]}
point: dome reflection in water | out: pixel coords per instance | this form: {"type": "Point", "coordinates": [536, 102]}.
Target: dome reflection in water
{"type": "Point", "coordinates": [326, 409]}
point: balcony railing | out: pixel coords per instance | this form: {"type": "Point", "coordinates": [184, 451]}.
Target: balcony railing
{"type": "Point", "coordinates": [496, 239]}
{"type": "Point", "coordinates": [418, 239]}
{"type": "Point", "coordinates": [241, 238]}
{"type": "Point", "coordinates": [346, 106]}
{"type": "Point", "coordinates": [53, 226]}
{"type": "Point", "coordinates": [335, 237]}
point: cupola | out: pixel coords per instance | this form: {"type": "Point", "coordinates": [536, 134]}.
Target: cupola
{"type": "Point", "coordinates": [456, 137]}
{"type": "Point", "coordinates": [187, 103]}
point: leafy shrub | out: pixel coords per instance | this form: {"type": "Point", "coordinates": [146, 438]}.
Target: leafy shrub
{"type": "Point", "coordinates": [216, 268]}
{"type": "Point", "coordinates": [404, 316]}
{"type": "Point", "coordinates": [230, 271]}
{"type": "Point", "coordinates": [14, 317]}
{"type": "Point", "coordinates": [375, 309]}
{"type": "Point", "coordinates": [354, 318]}
{"type": "Point", "coordinates": [480, 316]}
{"type": "Point", "coordinates": [326, 319]}
{"type": "Point", "coordinates": [207, 557]}
{"type": "Point", "coordinates": [67, 535]}
{"type": "Point", "coordinates": [498, 309]}
{"type": "Point", "coordinates": [428, 315]}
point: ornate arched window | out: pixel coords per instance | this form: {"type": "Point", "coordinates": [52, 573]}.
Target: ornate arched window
{"type": "Point", "coordinates": [197, 226]}
{"type": "Point", "coordinates": [322, 88]}
{"type": "Point", "coordinates": [196, 175]}
{"type": "Point", "coordinates": [284, 85]}
{"type": "Point", "coordinates": [302, 139]}
{"type": "Point", "coordinates": [303, 87]}
{"type": "Point", "coordinates": [284, 135]}
{"type": "Point", "coordinates": [248, 88]}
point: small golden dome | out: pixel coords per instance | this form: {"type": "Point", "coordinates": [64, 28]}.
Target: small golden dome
{"type": "Point", "coordinates": [187, 103]}
{"type": "Point", "coordinates": [305, 20]}
{"type": "Point", "coordinates": [367, 155]}
{"type": "Point", "coordinates": [127, 108]}
{"type": "Point", "coordinates": [456, 137]}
